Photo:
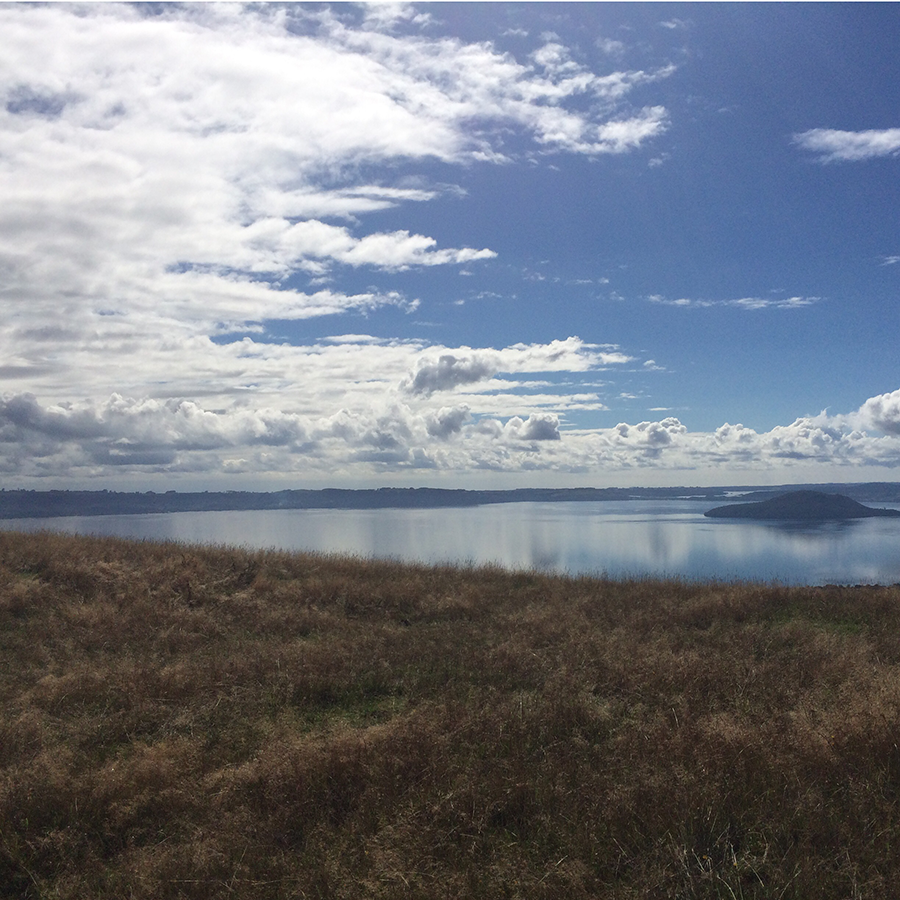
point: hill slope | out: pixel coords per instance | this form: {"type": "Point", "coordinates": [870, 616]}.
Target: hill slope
{"type": "Point", "coordinates": [184, 723]}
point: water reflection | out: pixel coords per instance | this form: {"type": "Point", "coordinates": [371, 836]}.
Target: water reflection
{"type": "Point", "coordinates": [621, 538]}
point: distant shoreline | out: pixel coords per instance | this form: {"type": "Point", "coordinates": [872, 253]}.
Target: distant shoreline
{"type": "Point", "coordinates": [24, 504]}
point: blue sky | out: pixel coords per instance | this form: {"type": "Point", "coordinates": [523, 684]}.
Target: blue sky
{"type": "Point", "coordinates": [459, 245]}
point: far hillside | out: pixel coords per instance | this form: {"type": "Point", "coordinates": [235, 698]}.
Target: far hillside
{"type": "Point", "coordinates": [25, 504]}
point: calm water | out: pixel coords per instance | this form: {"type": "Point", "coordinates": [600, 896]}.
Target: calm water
{"type": "Point", "coordinates": [618, 538]}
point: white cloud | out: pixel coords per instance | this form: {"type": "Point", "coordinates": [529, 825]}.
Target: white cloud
{"type": "Point", "coordinates": [464, 367]}
{"type": "Point", "coordinates": [537, 427]}
{"type": "Point", "coordinates": [311, 245]}
{"type": "Point", "coordinates": [648, 439]}
{"type": "Point", "coordinates": [344, 203]}
{"type": "Point", "coordinates": [164, 175]}
{"type": "Point", "coordinates": [389, 431]}
{"type": "Point", "coordinates": [770, 303]}
{"type": "Point", "coordinates": [610, 47]}
{"type": "Point", "coordinates": [739, 303]}
{"type": "Point", "coordinates": [833, 145]}
{"type": "Point", "coordinates": [383, 14]}
{"type": "Point", "coordinates": [351, 400]}
{"type": "Point", "coordinates": [170, 179]}
{"type": "Point", "coordinates": [882, 413]}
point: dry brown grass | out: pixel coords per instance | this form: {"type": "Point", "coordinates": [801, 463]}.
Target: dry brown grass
{"type": "Point", "coordinates": [183, 722]}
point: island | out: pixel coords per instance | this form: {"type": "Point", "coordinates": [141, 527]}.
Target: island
{"type": "Point", "coordinates": [801, 506]}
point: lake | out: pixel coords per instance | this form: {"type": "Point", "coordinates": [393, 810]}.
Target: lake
{"type": "Point", "coordinates": [618, 538]}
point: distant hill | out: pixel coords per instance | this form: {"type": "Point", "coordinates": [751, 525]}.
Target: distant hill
{"type": "Point", "coordinates": [801, 506]}
{"type": "Point", "coordinates": [22, 504]}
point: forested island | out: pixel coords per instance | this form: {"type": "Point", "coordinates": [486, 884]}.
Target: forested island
{"type": "Point", "coordinates": [26, 504]}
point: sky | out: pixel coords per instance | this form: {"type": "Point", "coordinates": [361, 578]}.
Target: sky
{"type": "Point", "coordinates": [462, 245]}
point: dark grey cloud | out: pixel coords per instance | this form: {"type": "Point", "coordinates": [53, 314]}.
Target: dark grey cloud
{"type": "Point", "coordinates": [28, 100]}
{"type": "Point", "coordinates": [23, 413]}
{"type": "Point", "coordinates": [127, 456]}
{"type": "Point", "coordinates": [123, 427]}
{"type": "Point", "coordinates": [450, 371]}
{"type": "Point", "coordinates": [447, 421]}
{"type": "Point", "coordinates": [541, 428]}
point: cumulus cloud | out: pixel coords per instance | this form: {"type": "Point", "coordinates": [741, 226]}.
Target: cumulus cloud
{"type": "Point", "coordinates": [538, 427]}
{"type": "Point", "coordinates": [184, 436]}
{"type": "Point", "coordinates": [834, 145]}
{"type": "Point", "coordinates": [882, 413]}
{"type": "Point", "coordinates": [447, 421]}
{"type": "Point", "coordinates": [347, 402]}
{"type": "Point", "coordinates": [648, 439]}
{"type": "Point", "coordinates": [127, 423]}
{"type": "Point", "coordinates": [447, 371]}
{"type": "Point", "coordinates": [450, 371]}
{"type": "Point", "coordinates": [137, 434]}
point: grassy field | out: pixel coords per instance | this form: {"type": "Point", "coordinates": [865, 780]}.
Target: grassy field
{"type": "Point", "coordinates": [185, 722]}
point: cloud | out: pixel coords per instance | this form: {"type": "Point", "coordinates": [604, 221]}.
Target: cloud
{"type": "Point", "coordinates": [627, 134]}
{"type": "Point", "coordinates": [559, 129]}
{"type": "Point", "coordinates": [449, 371]}
{"type": "Point", "coordinates": [769, 303]}
{"type": "Point", "coordinates": [151, 211]}
{"type": "Point", "coordinates": [648, 439]}
{"type": "Point", "coordinates": [387, 15]}
{"type": "Point", "coordinates": [610, 47]}
{"type": "Point", "coordinates": [447, 421]}
{"type": "Point", "coordinates": [739, 303]}
{"type": "Point", "coordinates": [346, 403]}
{"type": "Point", "coordinates": [345, 203]}
{"type": "Point", "coordinates": [251, 134]}
{"type": "Point", "coordinates": [177, 437]}
{"type": "Point", "coordinates": [281, 248]}
{"type": "Point", "coordinates": [352, 372]}
{"type": "Point", "coordinates": [537, 427]}
{"type": "Point", "coordinates": [162, 218]}
{"type": "Point", "coordinates": [882, 413]}
{"type": "Point", "coordinates": [833, 145]}
{"type": "Point", "coordinates": [133, 433]}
